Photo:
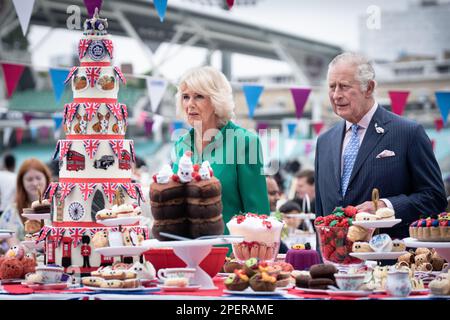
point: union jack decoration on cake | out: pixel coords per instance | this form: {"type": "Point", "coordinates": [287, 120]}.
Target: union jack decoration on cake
{"type": "Point", "coordinates": [139, 191]}
{"type": "Point", "coordinates": [55, 153]}
{"type": "Point", "coordinates": [91, 108]}
{"type": "Point", "coordinates": [116, 110]}
{"type": "Point", "coordinates": [91, 147]}
{"type": "Point", "coordinates": [58, 234]}
{"type": "Point", "coordinates": [133, 156]}
{"type": "Point", "coordinates": [109, 189]}
{"type": "Point", "coordinates": [76, 234]}
{"type": "Point", "coordinates": [72, 72]}
{"type": "Point", "coordinates": [116, 146]}
{"type": "Point", "coordinates": [51, 189]}
{"type": "Point", "coordinates": [65, 189]}
{"type": "Point", "coordinates": [120, 75]}
{"type": "Point", "coordinates": [93, 231]}
{"type": "Point", "coordinates": [109, 46]}
{"type": "Point", "coordinates": [69, 111]}
{"type": "Point", "coordinates": [87, 189]}
{"type": "Point", "coordinates": [93, 74]}
{"type": "Point", "coordinates": [43, 234]}
{"type": "Point", "coordinates": [83, 45]}
{"type": "Point", "coordinates": [130, 189]}
{"type": "Point", "coordinates": [64, 148]}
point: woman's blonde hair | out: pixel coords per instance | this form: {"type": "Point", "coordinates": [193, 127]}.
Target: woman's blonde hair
{"type": "Point", "coordinates": [210, 82]}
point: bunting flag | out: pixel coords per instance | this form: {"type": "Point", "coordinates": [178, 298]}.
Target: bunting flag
{"type": "Point", "coordinates": [93, 73]}
{"type": "Point", "coordinates": [57, 77]}
{"type": "Point", "coordinates": [398, 101]}
{"type": "Point", "coordinates": [19, 135]}
{"type": "Point", "coordinates": [51, 189]}
{"type": "Point", "coordinates": [130, 189]}
{"type": "Point", "coordinates": [12, 74]}
{"type": "Point", "coordinates": [300, 97]}
{"type": "Point", "coordinates": [148, 126]}
{"type": "Point", "coordinates": [116, 110]}
{"type": "Point", "coordinates": [120, 75]}
{"type": "Point", "coordinates": [64, 148]}
{"type": "Point", "coordinates": [57, 119]}
{"type": "Point", "coordinates": [43, 234]}
{"type": "Point", "coordinates": [443, 102]}
{"type": "Point", "coordinates": [133, 155]}
{"type": "Point", "coordinates": [160, 6]}
{"type": "Point", "coordinates": [72, 72]}
{"type": "Point", "coordinates": [91, 5]}
{"type": "Point", "coordinates": [124, 110]}
{"type": "Point", "coordinates": [58, 234]}
{"type": "Point", "coordinates": [27, 117]}
{"type": "Point", "coordinates": [57, 147]}
{"type": "Point", "coordinates": [291, 129]}
{"type": "Point", "coordinates": [109, 47]}
{"type": "Point", "coordinates": [252, 94]}
{"type": "Point", "coordinates": [87, 189]}
{"type": "Point", "coordinates": [116, 146]}
{"type": "Point", "coordinates": [76, 234]}
{"type": "Point", "coordinates": [69, 111]}
{"type": "Point", "coordinates": [83, 46]}
{"type": "Point", "coordinates": [91, 109]}
{"type": "Point", "coordinates": [230, 3]}
{"type": "Point", "coordinates": [93, 231]}
{"type": "Point", "coordinates": [24, 9]}
{"type": "Point", "coordinates": [177, 125]}
{"type": "Point", "coordinates": [439, 124]}
{"type": "Point", "coordinates": [65, 189]}
{"type": "Point", "coordinates": [91, 146]}
{"type": "Point", "coordinates": [317, 126]}
{"type": "Point", "coordinates": [156, 88]}
{"type": "Point", "coordinates": [109, 189]}
{"type": "Point", "coordinates": [139, 191]}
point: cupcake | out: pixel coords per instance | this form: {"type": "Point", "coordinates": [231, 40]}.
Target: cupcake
{"type": "Point", "coordinates": [251, 267]}
{"type": "Point", "coordinates": [385, 214]}
{"type": "Point", "coordinates": [238, 281]}
{"type": "Point", "coordinates": [232, 265]}
{"type": "Point", "coordinates": [263, 282]}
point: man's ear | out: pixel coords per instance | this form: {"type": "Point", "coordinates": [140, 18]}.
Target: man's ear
{"type": "Point", "coordinates": [370, 88]}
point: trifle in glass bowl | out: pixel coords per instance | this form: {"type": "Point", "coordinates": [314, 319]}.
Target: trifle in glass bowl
{"type": "Point", "coordinates": [261, 236]}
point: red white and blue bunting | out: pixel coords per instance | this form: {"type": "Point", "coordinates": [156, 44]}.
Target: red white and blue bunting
{"type": "Point", "coordinates": [91, 147]}
{"type": "Point", "coordinates": [83, 46]}
{"type": "Point", "coordinates": [72, 72]}
{"type": "Point", "coordinates": [110, 189]}
{"type": "Point", "coordinates": [91, 109]}
{"type": "Point", "coordinates": [116, 146]}
{"type": "Point", "coordinates": [58, 234]}
{"type": "Point", "coordinates": [69, 111]}
{"type": "Point", "coordinates": [87, 189]}
{"type": "Point", "coordinates": [116, 109]}
{"type": "Point", "coordinates": [109, 47]}
{"type": "Point", "coordinates": [51, 189]}
{"type": "Point", "coordinates": [76, 234]}
{"type": "Point", "coordinates": [64, 148]}
{"type": "Point", "coordinates": [93, 73]}
{"type": "Point", "coordinates": [120, 75]}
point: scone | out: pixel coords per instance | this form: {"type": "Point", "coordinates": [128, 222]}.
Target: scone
{"type": "Point", "coordinates": [112, 284]}
{"type": "Point", "coordinates": [357, 233]}
{"type": "Point", "coordinates": [92, 281]}
{"type": "Point", "coordinates": [361, 247]}
{"type": "Point", "coordinates": [385, 214]}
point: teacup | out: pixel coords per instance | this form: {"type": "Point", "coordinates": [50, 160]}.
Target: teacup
{"type": "Point", "coordinates": [349, 281]}
{"type": "Point", "coordinates": [50, 273]}
{"type": "Point", "coordinates": [170, 273]}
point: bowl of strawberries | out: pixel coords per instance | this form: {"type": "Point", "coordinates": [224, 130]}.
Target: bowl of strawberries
{"type": "Point", "coordinates": [334, 243]}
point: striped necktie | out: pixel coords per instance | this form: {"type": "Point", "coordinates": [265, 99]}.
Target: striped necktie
{"type": "Point", "coordinates": [350, 153]}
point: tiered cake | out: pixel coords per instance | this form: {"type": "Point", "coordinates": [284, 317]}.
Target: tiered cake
{"type": "Point", "coordinates": [95, 160]}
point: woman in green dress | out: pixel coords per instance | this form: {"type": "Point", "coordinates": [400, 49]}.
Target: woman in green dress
{"type": "Point", "coordinates": [205, 99]}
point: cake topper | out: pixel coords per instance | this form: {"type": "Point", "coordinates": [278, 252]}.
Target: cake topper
{"type": "Point", "coordinates": [185, 168]}
{"type": "Point", "coordinates": [164, 175]}
{"type": "Point", "coordinates": [95, 25]}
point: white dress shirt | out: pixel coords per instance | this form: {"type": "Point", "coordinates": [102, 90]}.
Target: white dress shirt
{"type": "Point", "coordinates": [363, 125]}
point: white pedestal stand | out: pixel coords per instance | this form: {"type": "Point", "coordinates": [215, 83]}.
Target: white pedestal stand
{"type": "Point", "coordinates": [192, 252]}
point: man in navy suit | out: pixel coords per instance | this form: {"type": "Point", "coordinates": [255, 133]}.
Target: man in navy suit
{"type": "Point", "coordinates": [373, 148]}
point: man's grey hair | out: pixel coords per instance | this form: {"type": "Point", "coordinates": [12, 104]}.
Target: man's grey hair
{"type": "Point", "coordinates": [365, 71]}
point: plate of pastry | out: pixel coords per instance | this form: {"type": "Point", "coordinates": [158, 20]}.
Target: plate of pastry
{"type": "Point", "coordinates": [377, 255]}
{"type": "Point", "coordinates": [251, 292]}
{"type": "Point", "coordinates": [110, 289]}
{"type": "Point", "coordinates": [377, 223]}
{"type": "Point", "coordinates": [36, 216]}
{"type": "Point", "coordinates": [122, 221]}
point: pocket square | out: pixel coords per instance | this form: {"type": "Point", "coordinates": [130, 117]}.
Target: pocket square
{"type": "Point", "coordinates": [386, 154]}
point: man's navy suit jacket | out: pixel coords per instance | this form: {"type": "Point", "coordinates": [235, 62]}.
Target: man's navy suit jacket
{"type": "Point", "coordinates": [411, 180]}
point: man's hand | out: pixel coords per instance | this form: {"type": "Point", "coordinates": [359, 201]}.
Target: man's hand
{"type": "Point", "coordinates": [369, 207]}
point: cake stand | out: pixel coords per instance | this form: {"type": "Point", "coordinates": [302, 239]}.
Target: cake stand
{"type": "Point", "coordinates": [192, 252]}
{"type": "Point", "coordinates": [442, 248]}
{"type": "Point", "coordinates": [5, 234]}
{"type": "Point", "coordinates": [36, 216]}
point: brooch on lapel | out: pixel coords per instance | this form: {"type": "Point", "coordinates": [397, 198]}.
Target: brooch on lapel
{"type": "Point", "coordinates": [379, 130]}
